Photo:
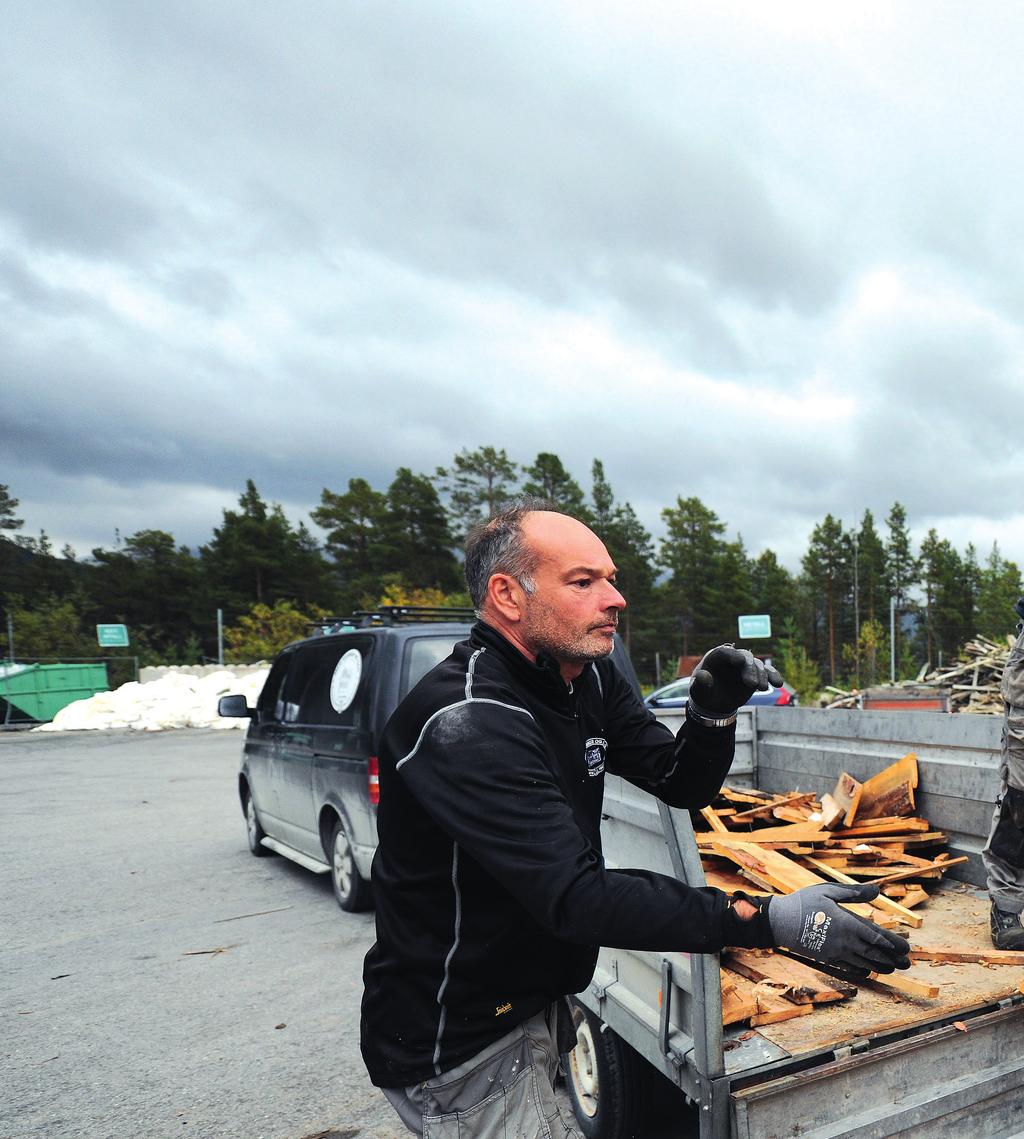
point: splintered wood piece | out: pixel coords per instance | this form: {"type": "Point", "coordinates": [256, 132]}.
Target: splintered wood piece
{"type": "Point", "coordinates": [890, 792]}
{"type": "Point", "coordinates": [738, 1000]}
{"type": "Point", "coordinates": [747, 795]}
{"type": "Point", "coordinates": [905, 985]}
{"type": "Point", "coordinates": [888, 826]}
{"type": "Point", "coordinates": [780, 836]}
{"type": "Point", "coordinates": [972, 956]}
{"type": "Point", "coordinates": [880, 903]}
{"type": "Point", "coordinates": [710, 816]}
{"type": "Point", "coordinates": [832, 813]}
{"type": "Point", "coordinates": [729, 881]}
{"type": "Point", "coordinates": [917, 870]}
{"type": "Point", "coordinates": [765, 809]}
{"type": "Point", "coordinates": [772, 1009]}
{"type": "Point", "coordinates": [773, 869]}
{"type": "Point", "coordinates": [803, 985]}
{"type": "Point", "coordinates": [847, 794]}
{"type": "Point", "coordinates": [797, 814]}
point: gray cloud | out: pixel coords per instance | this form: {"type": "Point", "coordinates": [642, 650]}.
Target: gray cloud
{"type": "Point", "coordinates": [303, 245]}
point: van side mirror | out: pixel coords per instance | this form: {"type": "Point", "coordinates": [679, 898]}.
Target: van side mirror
{"type": "Point", "coordinates": [235, 707]}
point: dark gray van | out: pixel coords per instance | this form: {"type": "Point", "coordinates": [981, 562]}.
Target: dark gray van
{"type": "Point", "coordinates": [309, 777]}
{"type": "Point", "coordinates": [308, 781]}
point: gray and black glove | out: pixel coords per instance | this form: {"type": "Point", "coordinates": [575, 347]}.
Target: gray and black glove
{"type": "Point", "coordinates": [725, 680]}
{"type": "Point", "coordinates": [810, 923]}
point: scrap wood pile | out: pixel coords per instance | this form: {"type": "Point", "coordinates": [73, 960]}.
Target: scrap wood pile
{"type": "Point", "coordinates": [972, 683]}
{"type": "Point", "coordinates": [861, 832]}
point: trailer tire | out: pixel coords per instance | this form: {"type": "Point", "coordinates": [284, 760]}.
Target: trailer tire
{"type": "Point", "coordinates": [601, 1079]}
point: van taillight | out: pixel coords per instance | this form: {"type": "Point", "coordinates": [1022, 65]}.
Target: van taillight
{"type": "Point", "coordinates": [783, 697]}
{"type": "Point", "coordinates": [373, 780]}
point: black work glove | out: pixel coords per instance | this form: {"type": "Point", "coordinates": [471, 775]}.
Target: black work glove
{"type": "Point", "coordinates": [809, 922]}
{"type": "Point", "coordinates": [726, 678]}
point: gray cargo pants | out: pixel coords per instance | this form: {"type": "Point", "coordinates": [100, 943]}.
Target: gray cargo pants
{"type": "Point", "coordinates": [505, 1091]}
{"type": "Point", "coordinates": [1004, 854]}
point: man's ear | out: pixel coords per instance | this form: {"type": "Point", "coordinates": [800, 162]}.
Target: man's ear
{"type": "Point", "coordinates": [505, 596]}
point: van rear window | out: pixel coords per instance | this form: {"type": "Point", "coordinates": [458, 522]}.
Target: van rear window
{"type": "Point", "coordinates": [421, 654]}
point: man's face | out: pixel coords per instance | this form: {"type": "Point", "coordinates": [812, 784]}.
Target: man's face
{"type": "Point", "coordinates": [574, 611]}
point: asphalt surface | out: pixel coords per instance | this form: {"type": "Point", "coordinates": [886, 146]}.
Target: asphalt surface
{"type": "Point", "coordinates": [155, 978]}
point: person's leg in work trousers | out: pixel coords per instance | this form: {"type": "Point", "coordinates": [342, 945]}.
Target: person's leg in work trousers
{"type": "Point", "coordinates": [1003, 856]}
{"type": "Point", "coordinates": [504, 1091]}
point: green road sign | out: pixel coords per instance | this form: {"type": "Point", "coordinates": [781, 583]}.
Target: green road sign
{"type": "Point", "coordinates": [755, 625]}
{"type": "Point", "coordinates": [112, 636]}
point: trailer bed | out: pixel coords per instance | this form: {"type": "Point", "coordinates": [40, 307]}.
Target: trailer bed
{"type": "Point", "coordinates": [955, 917]}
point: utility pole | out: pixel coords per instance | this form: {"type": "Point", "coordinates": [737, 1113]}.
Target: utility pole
{"type": "Point", "coordinates": [892, 640]}
{"type": "Point", "coordinates": [220, 636]}
{"type": "Point", "coordinates": [856, 590]}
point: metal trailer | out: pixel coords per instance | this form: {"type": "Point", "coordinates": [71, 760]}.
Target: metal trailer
{"type": "Point", "coordinates": [889, 1066]}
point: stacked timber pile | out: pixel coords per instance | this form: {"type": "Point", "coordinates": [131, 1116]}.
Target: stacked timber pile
{"type": "Point", "coordinates": [972, 684]}
{"type": "Point", "coordinates": [775, 844]}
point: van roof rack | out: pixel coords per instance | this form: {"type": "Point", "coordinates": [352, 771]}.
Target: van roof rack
{"type": "Point", "coordinates": [393, 615]}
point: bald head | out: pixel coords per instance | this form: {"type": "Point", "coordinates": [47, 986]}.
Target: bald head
{"type": "Point", "coordinates": [546, 582]}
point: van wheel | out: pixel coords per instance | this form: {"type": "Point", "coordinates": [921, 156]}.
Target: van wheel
{"type": "Point", "coordinates": [254, 832]}
{"type": "Point", "coordinates": [601, 1079]}
{"type": "Point", "coordinates": [350, 888]}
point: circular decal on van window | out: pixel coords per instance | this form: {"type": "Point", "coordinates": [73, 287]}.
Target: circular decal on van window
{"type": "Point", "coordinates": [345, 680]}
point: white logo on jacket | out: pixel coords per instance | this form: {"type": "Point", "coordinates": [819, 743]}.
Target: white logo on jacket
{"type": "Point", "coordinates": [593, 753]}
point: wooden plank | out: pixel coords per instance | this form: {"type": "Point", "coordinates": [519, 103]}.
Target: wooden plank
{"type": "Point", "coordinates": [893, 825]}
{"type": "Point", "coordinates": [765, 809]}
{"type": "Point", "coordinates": [796, 814]}
{"type": "Point", "coordinates": [775, 1010]}
{"type": "Point", "coordinates": [803, 985]}
{"type": "Point", "coordinates": [906, 985]}
{"type": "Point", "coordinates": [748, 795]}
{"type": "Point", "coordinates": [890, 792]}
{"type": "Point", "coordinates": [773, 869]}
{"type": "Point", "coordinates": [729, 881]}
{"type": "Point", "coordinates": [974, 956]}
{"type": "Point", "coordinates": [791, 832]}
{"type": "Point", "coordinates": [917, 870]}
{"type": "Point", "coordinates": [710, 816]}
{"type": "Point", "coordinates": [738, 1000]}
{"type": "Point", "coordinates": [904, 915]}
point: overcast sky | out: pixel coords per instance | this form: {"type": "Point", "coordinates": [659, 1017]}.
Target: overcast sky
{"type": "Point", "coordinates": [771, 255]}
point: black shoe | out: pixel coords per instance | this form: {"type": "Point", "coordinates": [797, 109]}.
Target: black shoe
{"type": "Point", "coordinates": [1007, 929]}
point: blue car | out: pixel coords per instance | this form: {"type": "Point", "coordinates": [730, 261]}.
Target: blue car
{"type": "Point", "coordinates": [677, 692]}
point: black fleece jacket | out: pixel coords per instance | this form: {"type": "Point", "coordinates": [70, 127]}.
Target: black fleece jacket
{"type": "Point", "coordinates": [491, 893]}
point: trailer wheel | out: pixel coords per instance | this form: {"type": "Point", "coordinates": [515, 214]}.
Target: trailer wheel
{"type": "Point", "coordinates": [601, 1079]}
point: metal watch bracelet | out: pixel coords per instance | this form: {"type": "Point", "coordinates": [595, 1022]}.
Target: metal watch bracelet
{"type": "Point", "coordinates": [707, 721]}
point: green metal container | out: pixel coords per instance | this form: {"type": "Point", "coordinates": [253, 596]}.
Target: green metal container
{"type": "Point", "coordinates": [39, 691]}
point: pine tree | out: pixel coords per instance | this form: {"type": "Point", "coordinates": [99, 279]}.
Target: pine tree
{"type": "Point", "coordinates": [353, 522]}
{"type": "Point", "coordinates": [547, 478]}
{"type": "Point", "coordinates": [901, 566]}
{"type": "Point", "coordinates": [413, 539]}
{"type": "Point", "coordinates": [256, 556]}
{"type": "Point", "coordinates": [8, 505]}
{"type": "Point", "coordinates": [478, 484]}
{"type": "Point", "coordinates": [692, 552]}
{"type": "Point", "coordinates": [826, 568]}
{"type": "Point", "coordinates": [1000, 588]}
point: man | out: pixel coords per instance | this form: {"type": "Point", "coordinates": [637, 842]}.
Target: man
{"type": "Point", "coordinates": [1004, 855]}
{"type": "Point", "coordinates": [492, 896]}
